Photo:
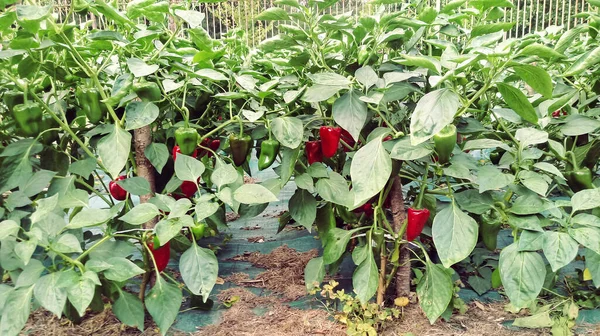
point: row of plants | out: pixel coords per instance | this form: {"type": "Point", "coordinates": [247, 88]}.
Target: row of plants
{"type": "Point", "coordinates": [412, 141]}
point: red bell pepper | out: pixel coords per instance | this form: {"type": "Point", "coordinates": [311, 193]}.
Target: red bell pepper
{"type": "Point", "coordinates": [348, 139]}
{"type": "Point", "coordinates": [416, 222]}
{"type": "Point", "coordinates": [330, 139]}
{"type": "Point", "coordinates": [559, 113]}
{"type": "Point", "coordinates": [213, 144]}
{"type": "Point", "coordinates": [161, 255]}
{"type": "Point", "coordinates": [177, 150]}
{"type": "Point", "coordinates": [313, 152]}
{"type": "Point", "coordinates": [188, 188]}
{"type": "Point", "coordinates": [366, 208]}
{"type": "Point", "coordinates": [116, 191]}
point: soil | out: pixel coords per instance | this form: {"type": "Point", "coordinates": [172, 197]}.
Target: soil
{"type": "Point", "coordinates": [284, 273]}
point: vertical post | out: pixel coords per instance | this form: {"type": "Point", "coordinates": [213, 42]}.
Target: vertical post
{"type": "Point", "coordinates": [398, 218]}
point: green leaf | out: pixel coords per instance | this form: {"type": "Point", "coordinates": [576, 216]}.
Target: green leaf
{"type": "Point", "coordinates": [370, 170]}
{"type": "Point", "coordinates": [592, 262]}
{"type": "Point", "coordinates": [426, 62]}
{"type": "Point", "coordinates": [304, 181]}
{"type": "Point", "coordinates": [536, 77]}
{"type": "Point", "coordinates": [585, 200]}
{"type": "Point", "coordinates": [8, 228]}
{"type": "Point", "coordinates": [579, 125]}
{"type": "Point", "coordinates": [540, 50]}
{"type": "Point", "coordinates": [253, 194]}
{"type": "Point", "coordinates": [139, 114]}
{"type": "Point", "coordinates": [129, 309]}
{"type": "Point", "coordinates": [288, 162]}
{"type": "Point", "coordinates": [121, 269]}
{"type": "Point", "coordinates": [336, 242]}
{"type": "Point", "coordinates": [318, 93]}
{"type": "Point", "coordinates": [163, 303]}
{"type": "Point", "coordinates": [588, 237]}
{"type": "Point", "coordinates": [139, 68]}
{"type": "Point", "coordinates": [366, 76]}
{"type": "Point", "coordinates": [199, 269]}
{"type": "Point", "coordinates": [516, 100]}
{"type": "Point", "coordinates": [531, 222]}
{"type": "Point", "coordinates": [140, 214]}
{"type": "Point", "coordinates": [288, 131]}
{"type": "Point", "coordinates": [580, 219]}
{"type": "Point", "coordinates": [273, 14]}
{"type": "Point", "coordinates": [433, 112]}
{"type": "Point", "coordinates": [192, 18]}
{"type": "Point", "coordinates": [89, 217]}
{"type": "Point", "coordinates": [434, 291]}
{"type": "Point", "coordinates": [584, 62]}
{"type": "Point", "coordinates": [211, 74]}
{"type": "Point", "coordinates": [206, 209]}
{"type": "Point", "coordinates": [405, 151]}
{"type": "Point", "coordinates": [335, 189]}
{"type": "Point", "coordinates": [485, 144]}
{"type": "Point", "coordinates": [50, 294]}
{"type": "Point", "coordinates": [83, 168]}
{"type": "Point", "coordinates": [303, 208]}
{"type": "Point", "coordinates": [82, 292]}
{"type": "Point", "coordinates": [539, 320]}
{"type": "Point", "coordinates": [113, 150]}
{"type": "Point", "coordinates": [224, 174]}
{"type": "Point", "coordinates": [314, 273]}
{"type": "Point", "coordinates": [37, 183]}
{"type": "Point", "coordinates": [16, 199]}
{"type": "Point", "coordinates": [534, 182]}
{"type": "Point", "coordinates": [473, 201]}
{"type": "Point", "coordinates": [329, 78]}
{"type": "Point", "coordinates": [24, 249]}
{"type": "Point", "coordinates": [528, 205]}
{"type": "Point", "coordinates": [136, 185]}
{"type": "Point", "coordinates": [559, 248]}
{"type": "Point", "coordinates": [167, 229]}
{"type": "Point", "coordinates": [14, 319]}
{"type": "Point", "coordinates": [188, 168]}
{"type": "Point", "coordinates": [491, 28]}
{"type": "Point", "coordinates": [31, 273]}
{"type": "Point", "coordinates": [365, 278]}
{"type": "Point", "coordinates": [350, 113]}
{"type": "Point", "coordinates": [67, 243]}
{"type": "Point", "coordinates": [531, 241]}
{"type": "Point", "coordinates": [491, 178]}
{"type": "Point", "coordinates": [454, 234]}
{"type": "Point", "coordinates": [522, 274]}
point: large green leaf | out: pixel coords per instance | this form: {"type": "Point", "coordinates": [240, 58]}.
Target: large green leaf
{"type": "Point", "coordinates": [522, 275]}
{"type": "Point", "coordinates": [163, 303]}
{"type": "Point", "coordinates": [335, 189]}
{"type": "Point", "coordinates": [559, 248]}
{"type": "Point", "coordinates": [588, 237]}
{"type": "Point", "coordinates": [434, 291]}
{"type": "Point", "coordinates": [288, 131]}
{"type": "Point", "coordinates": [50, 293]}
{"type": "Point", "coordinates": [365, 278]}
{"type": "Point", "coordinates": [536, 77]}
{"type": "Point", "coordinates": [273, 14]}
{"type": "Point", "coordinates": [303, 208]}
{"type": "Point", "coordinates": [433, 112]}
{"type": "Point", "coordinates": [516, 100]}
{"type": "Point", "coordinates": [350, 113]}
{"type": "Point", "coordinates": [314, 272]}
{"type": "Point", "coordinates": [491, 178]}
{"type": "Point", "coordinates": [592, 263]}
{"type": "Point", "coordinates": [140, 214]}
{"type": "Point", "coordinates": [370, 170]}
{"type": "Point", "coordinates": [113, 150]}
{"type": "Point", "coordinates": [199, 269]}
{"type": "Point", "coordinates": [129, 309]}
{"type": "Point", "coordinates": [14, 319]}
{"type": "Point", "coordinates": [586, 199]}
{"type": "Point", "coordinates": [253, 194]}
{"type": "Point", "coordinates": [454, 234]}
{"type": "Point", "coordinates": [584, 62]}
{"type": "Point", "coordinates": [336, 242]}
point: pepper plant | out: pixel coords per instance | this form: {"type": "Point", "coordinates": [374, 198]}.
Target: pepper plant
{"type": "Point", "coordinates": [124, 148]}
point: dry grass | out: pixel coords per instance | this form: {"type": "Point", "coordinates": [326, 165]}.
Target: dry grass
{"type": "Point", "coordinates": [284, 273]}
{"type": "Point", "coordinates": [278, 320]}
{"type": "Point", "coordinates": [44, 323]}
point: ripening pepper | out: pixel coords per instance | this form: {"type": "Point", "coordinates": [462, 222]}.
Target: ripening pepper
{"type": "Point", "coordinates": [161, 255]}
{"type": "Point", "coordinates": [444, 142]}
{"type": "Point", "coordinates": [489, 228]}
{"type": "Point", "coordinates": [268, 152]}
{"type": "Point", "coordinates": [177, 150]}
{"type": "Point", "coordinates": [416, 222]}
{"type": "Point", "coordinates": [240, 147]}
{"type": "Point", "coordinates": [213, 144]}
{"type": "Point", "coordinates": [89, 100]}
{"type": "Point", "coordinates": [147, 91]}
{"type": "Point", "coordinates": [330, 139]}
{"type": "Point", "coordinates": [313, 152]}
{"type": "Point", "coordinates": [116, 191]}
{"type": "Point", "coordinates": [366, 208]}
{"type": "Point", "coordinates": [187, 140]}
{"type": "Point", "coordinates": [28, 117]}
{"type": "Point", "coordinates": [579, 179]}
{"type": "Point", "coordinates": [348, 139]}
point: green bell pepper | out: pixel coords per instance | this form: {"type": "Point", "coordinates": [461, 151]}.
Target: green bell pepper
{"type": "Point", "coordinates": [268, 152]}
{"type": "Point", "coordinates": [444, 142]}
{"type": "Point", "coordinates": [12, 98]}
{"type": "Point", "coordinates": [490, 225]}
{"type": "Point", "coordinates": [147, 91]}
{"type": "Point", "coordinates": [580, 179]}
{"type": "Point", "coordinates": [28, 117]}
{"type": "Point", "coordinates": [89, 100]}
{"type": "Point", "coordinates": [187, 140]}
